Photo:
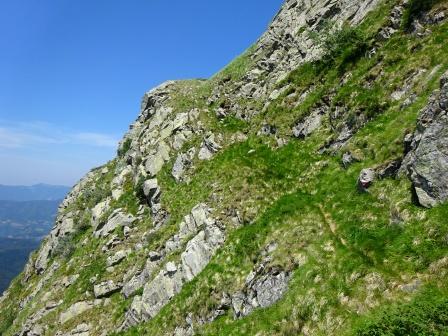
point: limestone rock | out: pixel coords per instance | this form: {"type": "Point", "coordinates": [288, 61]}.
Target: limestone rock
{"type": "Point", "coordinates": [427, 161]}
{"type": "Point", "coordinates": [117, 258]}
{"type": "Point", "coordinates": [155, 162]}
{"type": "Point", "coordinates": [75, 310]}
{"type": "Point", "coordinates": [208, 148]}
{"type": "Point", "coordinates": [98, 211]}
{"type": "Point", "coordinates": [310, 124]}
{"type": "Point", "coordinates": [106, 288]}
{"type": "Point", "coordinates": [117, 219]}
{"type": "Point", "coordinates": [263, 289]}
{"type": "Point", "coordinates": [182, 164]}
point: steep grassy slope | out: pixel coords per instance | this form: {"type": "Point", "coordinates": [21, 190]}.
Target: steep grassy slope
{"type": "Point", "coordinates": [357, 263]}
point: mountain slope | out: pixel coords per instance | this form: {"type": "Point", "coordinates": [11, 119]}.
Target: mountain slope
{"type": "Point", "coordinates": [299, 191]}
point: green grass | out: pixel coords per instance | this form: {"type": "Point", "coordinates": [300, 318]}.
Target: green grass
{"type": "Point", "coordinates": [425, 315]}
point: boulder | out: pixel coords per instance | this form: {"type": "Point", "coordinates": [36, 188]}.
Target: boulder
{"type": "Point", "coordinates": [98, 211]}
{"type": "Point", "coordinates": [347, 159]}
{"type": "Point", "coordinates": [75, 310]}
{"type": "Point", "coordinates": [366, 178]}
{"type": "Point", "coordinates": [208, 148]}
{"type": "Point", "coordinates": [267, 130]}
{"type": "Point", "coordinates": [117, 219]}
{"type": "Point", "coordinates": [117, 258]}
{"type": "Point", "coordinates": [81, 330]}
{"type": "Point", "coordinates": [160, 291]}
{"type": "Point", "coordinates": [263, 288]}
{"type": "Point", "coordinates": [106, 288]}
{"type": "Point", "coordinates": [155, 162]}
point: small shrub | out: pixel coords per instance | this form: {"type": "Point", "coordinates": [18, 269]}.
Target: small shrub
{"type": "Point", "coordinates": [65, 247]}
{"type": "Point", "coordinates": [139, 190]}
{"type": "Point", "coordinates": [125, 147]}
{"type": "Point", "coordinates": [342, 47]}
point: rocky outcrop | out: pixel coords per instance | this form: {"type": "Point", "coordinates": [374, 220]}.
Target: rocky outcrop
{"type": "Point", "coordinates": [117, 257]}
{"type": "Point", "coordinates": [117, 219]}
{"type": "Point", "coordinates": [183, 162]}
{"type": "Point", "coordinates": [263, 289]}
{"type": "Point", "coordinates": [81, 330]}
{"type": "Point", "coordinates": [264, 286]}
{"type": "Point", "coordinates": [427, 161]}
{"type": "Point", "coordinates": [208, 236]}
{"type": "Point", "coordinates": [287, 44]}
{"type": "Point", "coordinates": [311, 123]}
{"type": "Point", "coordinates": [64, 224]}
{"type": "Point", "coordinates": [106, 288]}
{"type": "Point", "coordinates": [208, 148]}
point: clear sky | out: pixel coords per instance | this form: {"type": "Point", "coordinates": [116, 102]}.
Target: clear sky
{"type": "Point", "coordinates": [72, 72]}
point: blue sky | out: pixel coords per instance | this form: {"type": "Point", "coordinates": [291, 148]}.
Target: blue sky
{"type": "Point", "coordinates": [72, 73]}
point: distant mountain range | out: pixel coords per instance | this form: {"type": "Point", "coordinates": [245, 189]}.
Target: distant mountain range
{"type": "Point", "coordinates": [27, 219]}
{"type": "Point", "coordinates": [14, 254]}
{"type": "Point", "coordinates": [38, 192]}
{"type": "Point", "coordinates": [27, 214]}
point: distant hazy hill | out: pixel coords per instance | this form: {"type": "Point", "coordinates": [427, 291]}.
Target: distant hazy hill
{"type": "Point", "coordinates": [28, 219]}
{"type": "Point", "coordinates": [26, 216]}
{"type": "Point", "coordinates": [13, 256]}
{"type": "Point", "coordinates": [33, 193]}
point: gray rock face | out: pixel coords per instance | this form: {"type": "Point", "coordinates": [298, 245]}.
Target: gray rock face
{"type": "Point", "coordinates": [310, 124]}
{"type": "Point", "coordinates": [183, 162]}
{"type": "Point", "coordinates": [157, 293]}
{"type": "Point", "coordinates": [267, 130]}
{"type": "Point", "coordinates": [200, 250]}
{"type": "Point", "coordinates": [81, 330]}
{"type": "Point", "coordinates": [117, 258]}
{"type": "Point", "coordinates": [208, 236]}
{"type": "Point", "coordinates": [98, 211]}
{"type": "Point", "coordinates": [426, 164]}
{"type": "Point", "coordinates": [117, 219]}
{"type": "Point", "coordinates": [155, 161]}
{"type": "Point", "coordinates": [286, 45]}
{"type": "Point", "coordinates": [208, 148]}
{"type": "Point", "coordinates": [36, 330]}
{"type": "Point", "coordinates": [263, 289]}
{"type": "Point", "coordinates": [64, 226]}
{"type": "Point", "coordinates": [32, 325]}
{"type": "Point", "coordinates": [106, 288]}
{"type": "Point", "coordinates": [347, 159]}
